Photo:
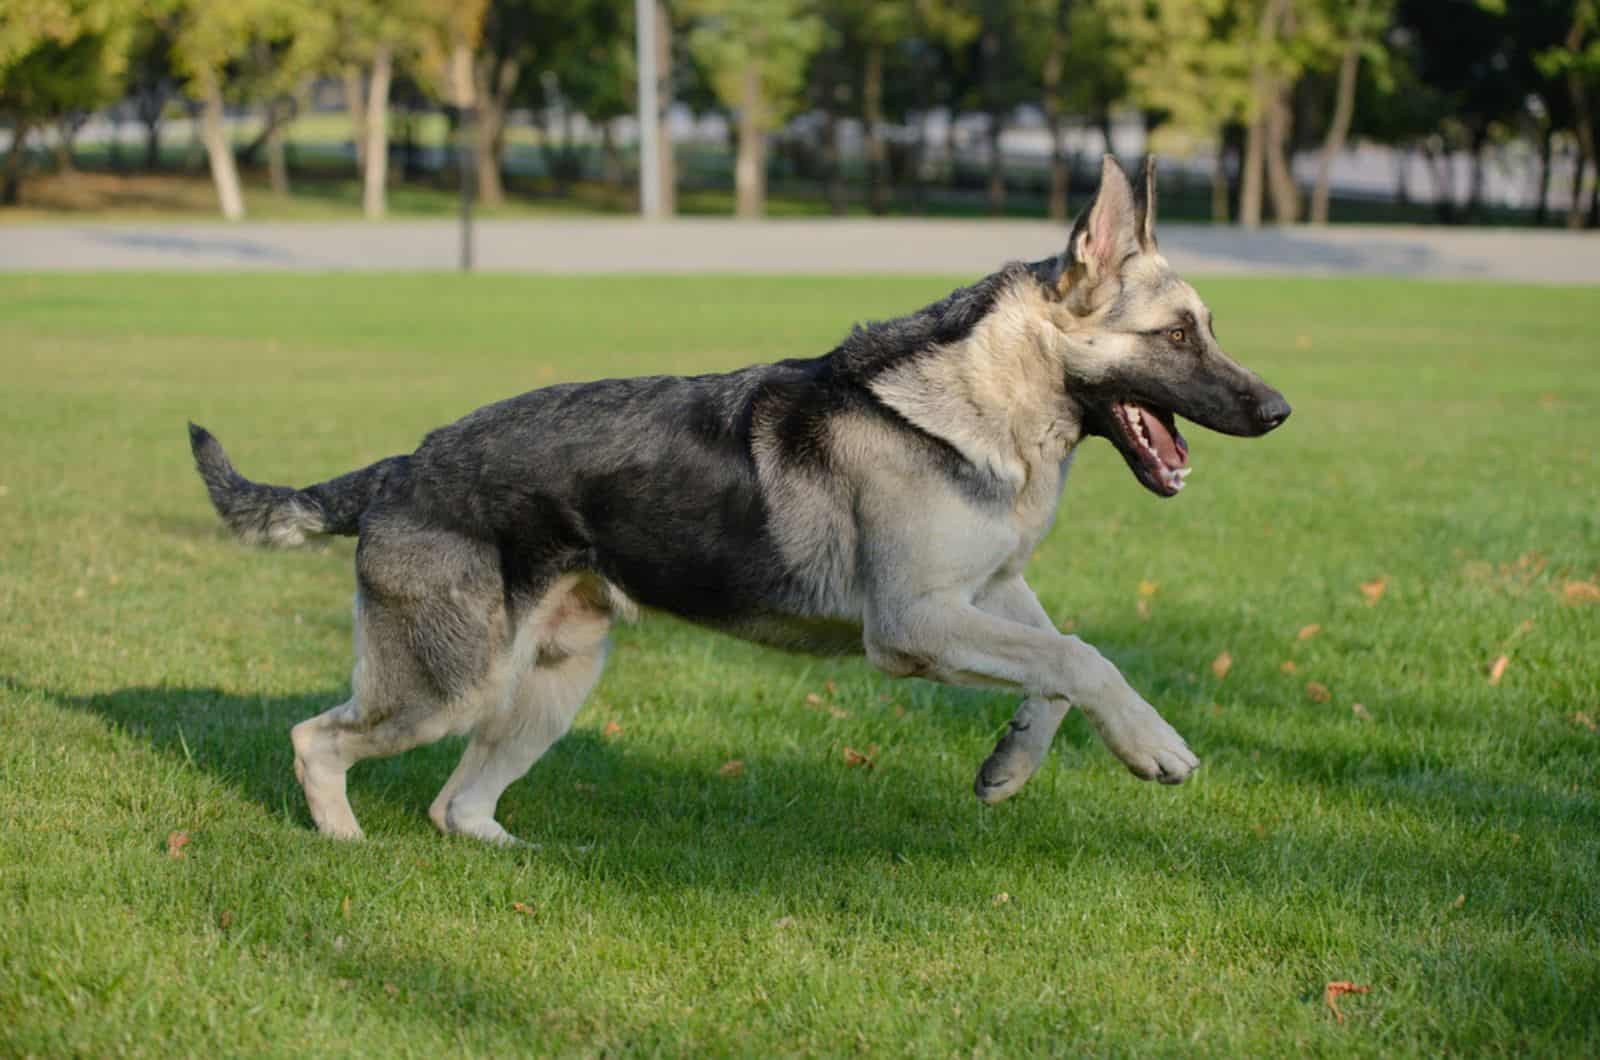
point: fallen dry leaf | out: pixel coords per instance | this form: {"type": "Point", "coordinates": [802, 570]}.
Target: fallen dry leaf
{"type": "Point", "coordinates": [344, 907]}
{"type": "Point", "coordinates": [1374, 589]}
{"type": "Point", "coordinates": [524, 908]}
{"type": "Point", "coordinates": [1460, 901]}
{"type": "Point", "coordinates": [1584, 719]}
{"type": "Point", "coordinates": [852, 757]}
{"type": "Point", "coordinates": [832, 688]}
{"type": "Point", "coordinates": [391, 989]}
{"type": "Point", "coordinates": [1221, 665]}
{"type": "Point", "coordinates": [1497, 669]}
{"type": "Point", "coordinates": [1148, 588]}
{"type": "Point", "coordinates": [1333, 991]}
{"type": "Point", "coordinates": [1288, 666]}
{"type": "Point", "coordinates": [1318, 692]}
{"type": "Point", "coordinates": [783, 922]}
{"type": "Point", "coordinates": [612, 729]}
{"type": "Point", "coordinates": [1359, 711]}
{"type": "Point", "coordinates": [1002, 898]}
{"type": "Point", "coordinates": [1580, 592]}
{"type": "Point", "coordinates": [176, 841]}
{"type": "Point", "coordinates": [733, 767]}
{"type": "Point", "coordinates": [1143, 607]}
{"type": "Point", "coordinates": [225, 921]}
{"type": "Point", "coordinates": [584, 789]}
{"type": "Point", "coordinates": [814, 700]}
{"type": "Point", "coordinates": [838, 713]}
{"type": "Point", "coordinates": [1307, 632]}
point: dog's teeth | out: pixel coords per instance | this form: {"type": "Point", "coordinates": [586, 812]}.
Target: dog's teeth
{"type": "Point", "coordinates": [1183, 472]}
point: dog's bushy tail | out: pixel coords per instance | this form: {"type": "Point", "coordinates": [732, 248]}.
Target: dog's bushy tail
{"type": "Point", "coordinates": [281, 516]}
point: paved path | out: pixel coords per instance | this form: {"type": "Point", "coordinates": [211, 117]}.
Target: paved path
{"type": "Point", "coordinates": [603, 245]}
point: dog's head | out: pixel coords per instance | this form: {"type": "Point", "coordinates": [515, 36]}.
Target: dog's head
{"type": "Point", "coordinates": [1139, 348]}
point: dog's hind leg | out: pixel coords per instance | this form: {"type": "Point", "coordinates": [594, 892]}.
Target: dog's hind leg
{"type": "Point", "coordinates": [566, 637]}
{"type": "Point", "coordinates": [431, 644]}
{"type": "Point", "coordinates": [1022, 750]}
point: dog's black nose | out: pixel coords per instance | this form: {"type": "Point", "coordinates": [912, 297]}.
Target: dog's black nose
{"type": "Point", "coordinates": [1273, 411]}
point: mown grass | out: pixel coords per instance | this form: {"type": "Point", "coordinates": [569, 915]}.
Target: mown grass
{"type": "Point", "coordinates": [1444, 850]}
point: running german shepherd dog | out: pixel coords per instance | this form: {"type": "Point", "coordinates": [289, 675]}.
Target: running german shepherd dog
{"type": "Point", "coordinates": [881, 498]}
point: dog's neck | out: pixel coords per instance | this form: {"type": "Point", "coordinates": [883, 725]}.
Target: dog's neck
{"type": "Point", "coordinates": [998, 395]}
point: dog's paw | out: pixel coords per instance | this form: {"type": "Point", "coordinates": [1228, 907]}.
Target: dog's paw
{"type": "Point", "coordinates": [1151, 748]}
{"type": "Point", "coordinates": [1001, 776]}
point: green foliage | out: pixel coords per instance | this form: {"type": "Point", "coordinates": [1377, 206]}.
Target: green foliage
{"type": "Point", "coordinates": [776, 37]}
{"type": "Point", "coordinates": [1202, 79]}
{"type": "Point", "coordinates": [58, 56]}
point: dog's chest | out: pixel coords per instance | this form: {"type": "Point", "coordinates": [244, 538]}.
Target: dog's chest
{"type": "Point", "coordinates": [1033, 510]}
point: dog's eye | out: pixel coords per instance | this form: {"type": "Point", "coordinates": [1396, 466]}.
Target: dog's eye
{"type": "Point", "coordinates": [1177, 335]}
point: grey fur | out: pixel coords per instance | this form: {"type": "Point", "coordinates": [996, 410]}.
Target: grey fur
{"type": "Point", "coordinates": [883, 498]}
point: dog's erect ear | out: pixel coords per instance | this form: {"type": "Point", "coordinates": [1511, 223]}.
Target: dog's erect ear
{"type": "Point", "coordinates": [1145, 204]}
{"type": "Point", "coordinates": [1105, 234]}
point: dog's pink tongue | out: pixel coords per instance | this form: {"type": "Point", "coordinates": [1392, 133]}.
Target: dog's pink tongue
{"type": "Point", "coordinates": [1172, 453]}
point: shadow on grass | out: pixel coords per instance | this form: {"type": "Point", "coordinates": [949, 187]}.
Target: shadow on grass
{"type": "Point", "coordinates": [588, 788]}
{"type": "Point", "coordinates": [800, 833]}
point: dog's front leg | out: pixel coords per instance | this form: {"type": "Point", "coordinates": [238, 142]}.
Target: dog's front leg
{"type": "Point", "coordinates": [942, 636]}
{"type": "Point", "coordinates": [1022, 750]}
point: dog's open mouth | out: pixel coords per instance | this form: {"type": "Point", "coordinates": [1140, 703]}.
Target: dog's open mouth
{"type": "Point", "coordinates": [1151, 444]}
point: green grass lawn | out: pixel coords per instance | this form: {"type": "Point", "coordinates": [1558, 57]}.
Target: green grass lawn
{"type": "Point", "coordinates": [1440, 843]}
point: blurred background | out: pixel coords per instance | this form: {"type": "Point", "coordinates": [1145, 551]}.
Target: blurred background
{"type": "Point", "coordinates": [1448, 111]}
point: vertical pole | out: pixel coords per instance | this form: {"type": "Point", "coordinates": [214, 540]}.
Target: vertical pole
{"type": "Point", "coordinates": [644, 17]}
{"type": "Point", "coordinates": [465, 156]}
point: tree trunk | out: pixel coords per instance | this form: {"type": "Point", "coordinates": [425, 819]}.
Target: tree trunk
{"type": "Point", "coordinates": [1344, 105]}
{"type": "Point", "coordinates": [872, 115]}
{"type": "Point", "coordinates": [997, 166]}
{"type": "Point", "coordinates": [750, 165]}
{"type": "Point", "coordinates": [11, 177]}
{"type": "Point", "coordinates": [63, 147]}
{"type": "Point", "coordinates": [277, 164]}
{"type": "Point", "coordinates": [920, 166]}
{"type": "Point", "coordinates": [1547, 137]}
{"type": "Point", "coordinates": [1050, 85]}
{"type": "Point", "coordinates": [1060, 171]}
{"type": "Point", "coordinates": [1250, 178]}
{"type": "Point", "coordinates": [1585, 129]}
{"type": "Point", "coordinates": [1594, 200]}
{"type": "Point", "coordinates": [497, 78]}
{"type": "Point", "coordinates": [376, 170]}
{"type": "Point", "coordinates": [832, 164]}
{"type": "Point", "coordinates": [611, 157]}
{"type": "Point", "coordinates": [219, 152]}
{"type": "Point", "coordinates": [1480, 141]}
{"type": "Point", "coordinates": [1280, 175]}
{"type": "Point", "coordinates": [152, 143]}
{"type": "Point", "coordinates": [1219, 184]}
{"type": "Point", "coordinates": [114, 145]}
{"type": "Point", "coordinates": [1436, 154]}
{"type": "Point", "coordinates": [355, 99]}
{"type": "Point", "coordinates": [668, 164]}
{"type": "Point", "coordinates": [1265, 92]}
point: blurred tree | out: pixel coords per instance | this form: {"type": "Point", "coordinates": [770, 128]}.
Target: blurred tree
{"type": "Point", "coordinates": [1002, 83]}
{"type": "Point", "coordinates": [1081, 69]}
{"type": "Point", "coordinates": [1359, 26]}
{"type": "Point", "coordinates": [1576, 62]}
{"type": "Point", "coordinates": [57, 58]}
{"type": "Point", "coordinates": [212, 45]}
{"type": "Point", "coordinates": [1206, 76]}
{"type": "Point", "coordinates": [756, 52]}
{"type": "Point", "coordinates": [150, 82]}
